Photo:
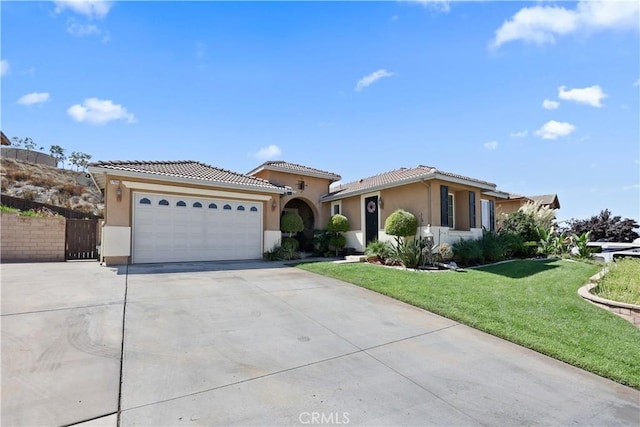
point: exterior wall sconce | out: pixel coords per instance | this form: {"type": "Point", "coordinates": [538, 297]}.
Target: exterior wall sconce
{"type": "Point", "coordinates": [380, 203]}
{"type": "Point", "coordinates": [301, 185]}
{"type": "Point", "coordinates": [119, 193]}
{"type": "Point", "coordinates": [274, 204]}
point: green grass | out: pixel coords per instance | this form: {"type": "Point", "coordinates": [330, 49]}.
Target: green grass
{"type": "Point", "coordinates": [4, 208]}
{"type": "Point", "coordinates": [622, 282]}
{"type": "Point", "coordinates": [531, 303]}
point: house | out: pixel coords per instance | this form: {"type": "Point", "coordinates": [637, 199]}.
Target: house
{"type": "Point", "coordinates": [515, 201]}
{"type": "Point", "coordinates": [455, 206]}
{"type": "Point", "coordinates": [3, 139]}
{"type": "Point", "coordinates": [184, 211]}
{"type": "Point", "coordinates": [189, 211]}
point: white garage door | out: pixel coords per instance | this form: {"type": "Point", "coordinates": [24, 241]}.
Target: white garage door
{"type": "Point", "coordinates": [176, 228]}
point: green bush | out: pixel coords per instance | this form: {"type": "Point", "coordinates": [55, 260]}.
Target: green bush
{"type": "Point", "coordinates": [321, 242]}
{"type": "Point", "coordinates": [468, 252]}
{"type": "Point", "coordinates": [412, 253]}
{"type": "Point", "coordinates": [401, 224]}
{"type": "Point", "coordinates": [493, 247]}
{"type": "Point", "coordinates": [382, 250]}
{"type": "Point", "coordinates": [291, 222]}
{"type": "Point", "coordinates": [338, 224]}
{"type": "Point", "coordinates": [521, 224]}
{"type": "Point", "coordinates": [337, 241]}
{"type": "Point", "coordinates": [290, 244]}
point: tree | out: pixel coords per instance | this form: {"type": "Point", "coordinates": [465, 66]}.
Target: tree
{"type": "Point", "coordinates": [57, 152]}
{"type": "Point", "coordinates": [290, 223]}
{"type": "Point", "coordinates": [401, 224]}
{"type": "Point", "coordinates": [337, 225]}
{"type": "Point", "coordinates": [79, 160]}
{"type": "Point", "coordinates": [605, 228]}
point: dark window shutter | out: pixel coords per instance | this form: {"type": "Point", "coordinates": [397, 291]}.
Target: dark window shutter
{"type": "Point", "coordinates": [492, 215]}
{"type": "Point", "coordinates": [472, 209]}
{"type": "Point", "coordinates": [444, 206]}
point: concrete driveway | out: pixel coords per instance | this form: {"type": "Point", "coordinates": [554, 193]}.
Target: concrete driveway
{"type": "Point", "coordinates": [264, 344]}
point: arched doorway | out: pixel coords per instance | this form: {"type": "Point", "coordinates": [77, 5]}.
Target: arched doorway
{"type": "Point", "coordinates": [302, 208]}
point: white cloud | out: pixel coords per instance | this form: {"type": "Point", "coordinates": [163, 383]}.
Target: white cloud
{"type": "Point", "coordinates": [491, 145]}
{"type": "Point", "coordinates": [269, 152]}
{"type": "Point", "coordinates": [82, 30]}
{"type": "Point", "coordinates": [90, 8]}
{"type": "Point", "coordinates": [631, 187]}
{"type": "Point", "coordinates": [589, 95]}
{"type": "Point", "coordinates": [542, 24]}
{"type": "Point", "coordinates": [520, 134]}
{"type": "Point", "coordinates": [34, 98]}
{"type": "Point", "coordinates": [439, 5]}
{"type": "Point", "coordinates": [372, 78]}
{"type": "Point", "coordinates": [99, 111]}
{"type": "Point", "coordinates": [553, 129]}
{"type": "Point", "coordinates": [4, 67]}
{"type": "Point", "coordinates": [550, 105]}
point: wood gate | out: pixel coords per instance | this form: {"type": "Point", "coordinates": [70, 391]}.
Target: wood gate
{"type": "Point", "coordinates": [81, 239]}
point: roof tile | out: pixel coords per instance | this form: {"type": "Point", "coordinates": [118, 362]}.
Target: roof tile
{"type": "Point", "coordinates": [186, 169]}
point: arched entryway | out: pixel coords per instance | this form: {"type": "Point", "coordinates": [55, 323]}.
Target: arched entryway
{"type": "Point", "coordinates": [302, 208]}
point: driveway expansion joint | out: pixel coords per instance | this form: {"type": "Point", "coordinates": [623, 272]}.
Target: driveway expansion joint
{"type": "Point", "coordinates": [62, 309]}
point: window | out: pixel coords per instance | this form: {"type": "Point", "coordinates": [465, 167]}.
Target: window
{"type": "Point", "coordinates": [213, 206]}
{"type": "Point", "coordinates": [181, 204]}
{"type": "Point", "coordinates": [197, 205]}
{"type": "Point", "coordinates": [335, 208]}
{"type": "Point", "coordinates": [253, 209]}
{"type": "Point", "coordinates": [240, 208]}
{"type": "Point", "coordinates": [450, 211]}
{"type": "Point", "coordinates": [487, 214]}
{"type": "Point", "coordinates": [163, 202]}
{"type": "Point", "coordinates": [145, 201]}
{"type": "Point", "coordinates": [227, 207]}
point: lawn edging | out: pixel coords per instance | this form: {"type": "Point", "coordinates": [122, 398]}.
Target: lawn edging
{"type": "Point", "coordinates": [629, 312]}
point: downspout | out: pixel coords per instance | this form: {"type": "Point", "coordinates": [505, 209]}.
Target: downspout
{"type": "Point", "coordinates": [428, 185]}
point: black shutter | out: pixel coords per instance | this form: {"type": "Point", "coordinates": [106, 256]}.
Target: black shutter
{"type": "Point", "coordinates": [472, 209]}
{"type": "Point", "coordinates": [444, 206]}
{"type": "Point", "coordinates": [492, 215]}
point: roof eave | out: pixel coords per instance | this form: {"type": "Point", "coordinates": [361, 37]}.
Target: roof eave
{"type": "Point", "coordinates": [485, 186]}
{"type": "Point", "coordinates": [184, 180]}
{"type": "Point", "coordinates": [330, 176]}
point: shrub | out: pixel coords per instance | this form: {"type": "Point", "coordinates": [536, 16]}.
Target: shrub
{"type": "Point", "coordinates": [605, 228]}
{"type": "Point", "coordinates": [412, 253]}
{"type": "Point", "coordinates": [337, 241]}
{"type": "Point", "coordinates": [338, 223]}
{"type": "Point", "coordinates": [444, 252]}
{"type": "Point", "coordinates": [382, 250]}
{"type": "Point", "coordinates": [321, 242]}
{"type": "Point", "coordinates": [290, 244]}
{"type": "Point", "coordinates": [521, 224]}
{"type": "Point", "coordinates": [493, 247]}
{"type": "Point", "coordinates": [468, 252]}
{"type": "Point", "coordinates": [580, 244]}
{"type": "Point", "coordinates": [401, 224]}
{"type": "Point", "coordinates": [291, 222]}
{"type": "Point", "coordinates": [543, 216]}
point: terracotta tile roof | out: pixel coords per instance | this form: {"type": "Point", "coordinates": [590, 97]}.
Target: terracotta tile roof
{"type": "Point", "coordinates": [280, 165]}
{"type": "Point", "coordinates": [186, 169]}
{"type": "Point", "coordinates": [397, 177]}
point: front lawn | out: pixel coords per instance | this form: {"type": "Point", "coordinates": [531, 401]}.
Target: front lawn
{"type": "Point", "coordinates": [531, 303]}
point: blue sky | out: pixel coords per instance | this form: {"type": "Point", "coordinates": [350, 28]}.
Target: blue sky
{"type": "Point", "coordinates": [538, 97]}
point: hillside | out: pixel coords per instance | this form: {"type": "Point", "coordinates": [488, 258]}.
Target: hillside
{"type": "Point", "coordinates": [46, 184]}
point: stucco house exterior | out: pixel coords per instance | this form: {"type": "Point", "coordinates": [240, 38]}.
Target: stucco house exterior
{"type": "Point", "coordinates": [455, 206]}
{"type": "Point", "coordinates": [189, 211]}
{"type": "Point", "coordinates": [514, 201]}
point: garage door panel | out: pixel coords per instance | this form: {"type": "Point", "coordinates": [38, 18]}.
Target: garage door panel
{"type": "Point", "coordinates": [170, 232]}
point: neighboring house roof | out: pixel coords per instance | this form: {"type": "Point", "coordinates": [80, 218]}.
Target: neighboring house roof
{"type": "Point", "coordinates": [281, 166]}
{"type": "Point", "coordinates": [5, 140]}
{"type": "Point", "coordinates": [402, 176]}
{"type": "Point", "coordinates": [550, 200]}
{"type": "Point", "coordinates": [183, 170]}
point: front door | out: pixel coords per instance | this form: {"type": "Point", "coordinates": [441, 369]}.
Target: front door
{"type": "Point", "coordinates": [371, 219]}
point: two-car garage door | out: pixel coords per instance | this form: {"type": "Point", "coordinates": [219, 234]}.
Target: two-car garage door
{"type": "Point", "coordinates": [186, 228]}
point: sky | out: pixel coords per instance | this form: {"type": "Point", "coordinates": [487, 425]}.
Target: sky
{"type": "Point", "coordinates": [537, 97]}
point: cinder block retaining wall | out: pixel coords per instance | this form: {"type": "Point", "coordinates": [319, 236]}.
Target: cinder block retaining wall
{"type": "Point", "coordinates": [32, 239]}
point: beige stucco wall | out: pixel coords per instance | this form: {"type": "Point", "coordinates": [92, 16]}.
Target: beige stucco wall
{"type": "Point", "coordinates": [314, 189]}
{"type": "Point", "coordinates": [421, 199]}
{"type": "Point", "coordinates": [119, 213]}
{"type": "Point", "coordinates": [32, 239]}
{"type": "Point", "coordinates": [508, 206]}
